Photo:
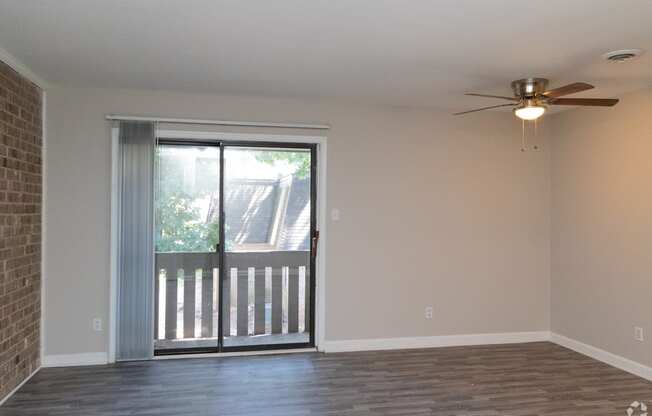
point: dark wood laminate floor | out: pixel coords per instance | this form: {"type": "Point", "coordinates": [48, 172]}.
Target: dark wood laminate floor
{"type": "Point", "coordinates": [519, 379]}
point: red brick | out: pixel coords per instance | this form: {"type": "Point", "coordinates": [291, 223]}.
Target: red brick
{"type": "Point", "coordinates": [20, 227]}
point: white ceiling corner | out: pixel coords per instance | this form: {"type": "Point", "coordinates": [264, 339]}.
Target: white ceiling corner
{"type": "Point", "coordinates": [22, 69]}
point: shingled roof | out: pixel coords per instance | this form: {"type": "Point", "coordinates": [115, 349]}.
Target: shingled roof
{"type": "Point", "coordinates": [267, 214]}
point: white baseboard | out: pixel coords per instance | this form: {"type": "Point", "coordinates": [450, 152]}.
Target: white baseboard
{"type": "Point", "coordinates": [22, 383]}
{"type": "Point", "coordinates": [432, 342]}
{"type": "Point", "coordinates": [71, 360]}
{"type": "Point", "coordinates": [614, 360]}
{"type": "Point", "coordinates": [374, 344]}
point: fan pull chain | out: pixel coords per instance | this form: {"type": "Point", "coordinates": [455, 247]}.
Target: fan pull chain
{"type": "Point", "coordinates": [535, 147]}
{"type": "Point", "coordinates": [522, 135]}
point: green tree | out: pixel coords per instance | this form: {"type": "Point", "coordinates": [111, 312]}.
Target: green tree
{"type": "Point", "coordinates": [299, 161]}
{"type": "Point", "coordinates": [180, 226]}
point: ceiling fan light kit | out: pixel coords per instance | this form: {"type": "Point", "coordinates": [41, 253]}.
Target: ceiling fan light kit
{"type": "Point", "coordinates": [532, 98]}
{"type": "Point", "coordinates": [530, 110]}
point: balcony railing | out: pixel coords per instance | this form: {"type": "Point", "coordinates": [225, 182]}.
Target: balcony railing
{"type": "Point", "coordinates": [265, 293]}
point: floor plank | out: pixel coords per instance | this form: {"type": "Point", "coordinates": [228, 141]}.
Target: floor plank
{"type": "Point", "coordinates": [517, 379]}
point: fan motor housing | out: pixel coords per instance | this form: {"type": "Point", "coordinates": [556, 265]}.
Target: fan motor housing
{"type": "Point", "coordinates": [529, 87]}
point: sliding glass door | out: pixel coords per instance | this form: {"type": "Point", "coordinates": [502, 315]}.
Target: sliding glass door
{"type": "Point", "coordinates": [186, 216]}
{"type": "Point", "coordinates": [268, 227]}
{"type": "Point", "coordinates": [257, 198]}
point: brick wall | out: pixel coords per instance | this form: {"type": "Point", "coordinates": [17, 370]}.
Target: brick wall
{"type": "Point", "coordinates": [20, 228]}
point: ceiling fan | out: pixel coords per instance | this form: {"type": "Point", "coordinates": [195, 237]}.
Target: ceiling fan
{"type": "Point", "coordinates": [531, 98]}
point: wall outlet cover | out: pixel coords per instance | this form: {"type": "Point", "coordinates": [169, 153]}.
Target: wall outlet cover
{"type": "Point", "coordinates": [97, 325]}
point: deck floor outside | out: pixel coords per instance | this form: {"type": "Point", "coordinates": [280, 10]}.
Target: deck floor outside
{"type": "Point", "coordinates": [236, 341]}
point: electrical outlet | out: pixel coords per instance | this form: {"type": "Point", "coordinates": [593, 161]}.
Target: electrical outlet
{"type": "Point", "coordinates": [97, 325]}
{"type": "Point", "coordinates": [638, 333]}
{"type": "Point", "coordinates": [429, 312]}
{"type": "Point", "coordinates": [335, 214]}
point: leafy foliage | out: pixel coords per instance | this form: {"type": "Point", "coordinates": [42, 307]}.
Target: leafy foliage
{"type": "Point", "coordinates": [298, 161]}
{"type": "Point", "coordinates": [180, 226]}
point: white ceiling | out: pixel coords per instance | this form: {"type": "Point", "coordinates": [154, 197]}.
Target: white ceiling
{"type": "Point", "coordinates": [408, 53]}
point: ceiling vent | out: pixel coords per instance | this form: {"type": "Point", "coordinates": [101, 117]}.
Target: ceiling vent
{"type": "Point", "coordinates": [622, 55]}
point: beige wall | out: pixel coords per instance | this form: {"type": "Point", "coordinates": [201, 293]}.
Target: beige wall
{"type": "Point", "coordinates": [435, 210]}
{"type": "Point", "coordinates": [602, 226]}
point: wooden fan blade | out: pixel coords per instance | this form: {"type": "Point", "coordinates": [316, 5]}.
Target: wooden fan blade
{"type": "Point", "coordinates": [493, 96]}
{"type": "Point", "coordinates": [483, 108]}
{"type": "Point", "coordinates": [568, 89]}
{"type": "Point", "coordinates": [599, 102]}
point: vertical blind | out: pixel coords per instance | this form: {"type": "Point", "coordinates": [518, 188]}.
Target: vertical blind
{"type": "Point", "coordinates": [134, 333]}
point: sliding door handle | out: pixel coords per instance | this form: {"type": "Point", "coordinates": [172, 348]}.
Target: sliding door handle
{"type": "Point", "coordinates": [315, 240]}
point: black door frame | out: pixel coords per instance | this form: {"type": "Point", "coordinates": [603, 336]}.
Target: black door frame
{"type": "Point", "coordinates": [222, 144]}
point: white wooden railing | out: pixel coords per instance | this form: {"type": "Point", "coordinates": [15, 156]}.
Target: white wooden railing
{"type": "Point", "coordinates": [264, 293]}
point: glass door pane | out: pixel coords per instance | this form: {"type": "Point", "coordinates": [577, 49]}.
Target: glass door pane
{"type": "Point", "coordinates": [186, 210]}
{"type": "Point", "coordinates": [267, 280]}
